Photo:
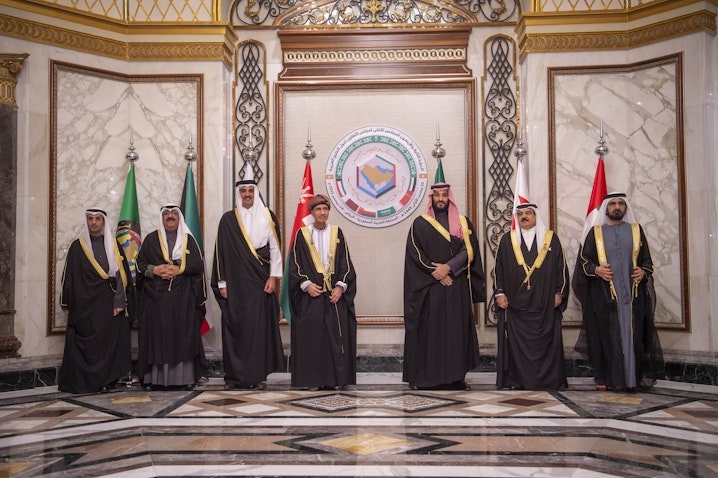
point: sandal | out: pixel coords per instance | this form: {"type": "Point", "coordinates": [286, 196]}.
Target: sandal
{"type": "Point", "coordinates": [601, 387]}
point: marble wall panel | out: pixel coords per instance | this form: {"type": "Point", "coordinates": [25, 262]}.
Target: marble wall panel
{"type": "Point", "coordinates": [377, 253]}
{"type": "Point", "coordinates": [97, 115]}
{"type": "Point", "coordinates": [640, 108]}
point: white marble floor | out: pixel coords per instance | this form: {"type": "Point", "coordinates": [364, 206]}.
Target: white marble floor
{"type": "Point", "coordinates": [377, 428]}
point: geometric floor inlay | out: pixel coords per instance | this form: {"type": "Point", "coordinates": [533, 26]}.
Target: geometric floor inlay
{"type": "Point", "coordinates": [378, 430]}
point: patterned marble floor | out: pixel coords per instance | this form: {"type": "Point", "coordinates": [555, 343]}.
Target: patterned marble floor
{"type": "Point", "coordinates": [378, 428]}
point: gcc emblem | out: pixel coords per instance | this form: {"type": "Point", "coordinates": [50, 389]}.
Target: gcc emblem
{"type": "Point", "coordinates": [376, 176]}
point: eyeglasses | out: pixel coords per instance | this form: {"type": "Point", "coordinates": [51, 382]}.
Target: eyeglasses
{"type": "Point", "coordinates": [170, 213]}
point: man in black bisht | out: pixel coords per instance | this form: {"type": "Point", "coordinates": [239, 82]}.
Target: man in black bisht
{"type": "Point", "coordinates": [443, 278]}
{"type": "Point", "coordinates": [247, 263]}
{"type": "Point", "coordinates": [531, 286]}
{"type": "Point", "coordinates": [619, 301]}
{"type": "Point", "coordinates": [97, 340]}
{"type": "Point", "coordinates": [322, 287]}
{"type": "Point", "coordinates": [171, 268]}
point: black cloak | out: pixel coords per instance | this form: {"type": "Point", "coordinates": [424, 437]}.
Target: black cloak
{"type": "Point", "coordinates": [530, 346]}
{"type": "Point", "coordinates": [440, 343]}
{"type": "Point", "coordinates": [251, 342]}
{"type": "Point", "coordinates": [172, 311]}
{"type": "Point", "coordinates": [97, 343]}
{"type": "Point", "coordinates": [600, 336]}
{"type": "Point", "coordinates": [323, 334]}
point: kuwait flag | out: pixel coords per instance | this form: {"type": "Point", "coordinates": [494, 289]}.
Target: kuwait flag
{"type": "Point", "coordinates": [302, 218]}
{"type": "Point", "coordinates": [190, 210]}
{"type": "Point", "coordinates": [521, 192]}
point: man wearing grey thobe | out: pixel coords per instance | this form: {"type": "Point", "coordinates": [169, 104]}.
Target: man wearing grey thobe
{"type": "Point", "coordinates": [619, 304]}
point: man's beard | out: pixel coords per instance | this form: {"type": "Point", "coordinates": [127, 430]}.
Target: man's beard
{"type": "Point", "coordinates": [617, 214]}
{"type": "Point", "coordinates": [442, 207]}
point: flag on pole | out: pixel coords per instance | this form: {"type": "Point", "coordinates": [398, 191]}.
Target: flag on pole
{"type": "Point", "coordinates": [597, 194]}
{"type": "Point", "coordinates": [128, 223]}
{"type": "Point", "coordinates": [129, 237]}
{"type": "Point", "coordinates": [190, 209]}
{"type": "Point", "coordinates": [521, 191]}
{"type": "Point", "coordinates": [439, 176]}
{"type": "Point", "coordinates": [301, 219]}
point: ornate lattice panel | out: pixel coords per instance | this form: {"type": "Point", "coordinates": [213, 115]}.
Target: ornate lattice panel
{"type": "Point", "coordinates": [250, 109]}
{"type": "Point", "coordinates": [500, 125]}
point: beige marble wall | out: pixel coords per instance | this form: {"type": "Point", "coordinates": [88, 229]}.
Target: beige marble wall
{"type": "Point", "coordinates": [95, 117]}
{"type": "Point", "coordinates": [647, 176]}
{"type": "Point", "coordinates": [700, 117]}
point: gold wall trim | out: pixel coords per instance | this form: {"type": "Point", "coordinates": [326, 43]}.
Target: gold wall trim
{"type": "Point", "coordinates": [180, 52]}
{"type": "Point", "coordinates": [611, 40]}
{"type": "Point", "coordinates": [10, 67]}
{"type": "Point", "coordinates": [378, 56]}
{"type": "Point", "coordinates": [123, 50]}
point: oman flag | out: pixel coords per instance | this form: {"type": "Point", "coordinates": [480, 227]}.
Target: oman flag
{"type": "Point", "coordinates": [302, 218]}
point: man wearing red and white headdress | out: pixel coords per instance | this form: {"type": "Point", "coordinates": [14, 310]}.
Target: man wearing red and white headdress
{"type": "Point", "coordinates": [443, 278]}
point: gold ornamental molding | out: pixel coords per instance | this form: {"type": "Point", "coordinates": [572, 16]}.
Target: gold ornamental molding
{"type": "Point", "coordinates": [125, 50]}
{"type": "Point", "coordinates": [180, 52]}
{"type": "Point", "coordinates": [612, 40]}
{"type": "Point", "coordinates": [10, 67]}
{"type": "Point", "coordinates": [375, 56]}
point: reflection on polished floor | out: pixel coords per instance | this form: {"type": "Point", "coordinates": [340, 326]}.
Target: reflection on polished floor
{"type": "Point", "coordinates": [377, 428]}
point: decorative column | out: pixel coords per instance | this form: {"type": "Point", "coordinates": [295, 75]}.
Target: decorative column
{"type": "Point", "coordinates": [10, 66]}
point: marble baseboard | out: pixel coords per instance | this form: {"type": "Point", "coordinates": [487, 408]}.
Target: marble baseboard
{"type": "Point", "coordinates": [45, 375]}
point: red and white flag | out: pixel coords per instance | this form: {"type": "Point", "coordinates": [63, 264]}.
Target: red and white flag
{"type": "Point", "coordinates": [302, 218]}
{"type": "Point", "coordinates": [521, 191]}
{"type": "Point", "coordinates": [594, 203]}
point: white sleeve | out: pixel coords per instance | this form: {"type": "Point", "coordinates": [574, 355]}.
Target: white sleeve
{"type": "Point", "coordinates": [275, 256]}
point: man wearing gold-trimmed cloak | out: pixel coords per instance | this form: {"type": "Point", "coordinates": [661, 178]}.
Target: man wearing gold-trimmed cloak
{"type": "Point", "coordinates": [619, 301]}
{"type": "Point", "coordinates": [171, 267]}
{"type": "Point", "coordinates": [443, 278]}
{"type": "Point", "coordinates": [531, 287]}
{"type": "Point", "coordinates": [322, 287]}
{"type": "Point", "coordinates": [247, 264]}
{"type": "Point", "coordinates": [94, 282]}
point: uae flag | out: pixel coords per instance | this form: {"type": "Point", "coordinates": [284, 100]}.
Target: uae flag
{"type": "Point", "coordinates": [190, 209]}
{"type": "Point", "coordinates": [598, 192]}
{"type": "Point", "coordinates": [594, 203]}
{"type": "Point", "coordinates": [521, 191]}
{"type": "Point", "coordinates": [302, 218]}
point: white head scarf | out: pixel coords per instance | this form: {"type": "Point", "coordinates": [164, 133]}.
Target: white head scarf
{"type": "Point", "coordinates": [260, 227]}
{"type": "Point", "coordinates": [108, 238]}
{"type": "Point", "coordinates": [182, 229]}
{"type": "Point", "coordinates": [540, 226]}
{"type": "Point", "coordinates": [602, 219]}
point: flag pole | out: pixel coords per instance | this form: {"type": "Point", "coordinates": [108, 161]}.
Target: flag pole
{"type": "Point", "coordinates": [301, 218]}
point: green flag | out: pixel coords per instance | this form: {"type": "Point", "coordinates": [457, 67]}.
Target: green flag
{"type": "Point", "coordinates": [190, 210]}
{"type": "Point", "coordinates": [439, 177]}
{"type": "Point", "coordinates": [128, 232]}
{"type": "Point", "coordinates": [190, 207]}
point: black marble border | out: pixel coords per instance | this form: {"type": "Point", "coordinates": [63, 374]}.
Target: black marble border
{"type": "Point", "coordinates": [702, 374]}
